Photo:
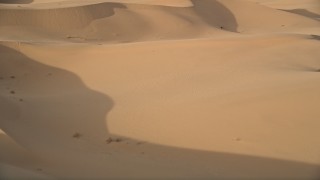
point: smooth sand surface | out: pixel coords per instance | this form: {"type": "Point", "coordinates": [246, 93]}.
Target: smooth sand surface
{"type": "Point", "coordinates": [159, 89]}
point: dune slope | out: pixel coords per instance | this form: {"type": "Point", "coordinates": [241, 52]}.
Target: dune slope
{"type": "Point", "coordinates": [159, 89]}
{"type": "Point", "coordinates": [126, 22]}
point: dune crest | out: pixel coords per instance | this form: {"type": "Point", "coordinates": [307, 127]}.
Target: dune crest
{"type": "Point", "coordinates": [159, 89]}
{"type": "Point", "coordinates": [122, 22]}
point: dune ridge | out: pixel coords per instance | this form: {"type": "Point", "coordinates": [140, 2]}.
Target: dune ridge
{"type": "Point", "coordinates": [169, 89]}
{"type": "Point", "coordinates": [120, 22]}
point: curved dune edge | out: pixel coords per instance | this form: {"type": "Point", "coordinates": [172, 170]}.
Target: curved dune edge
{"type": "Point", "coordinates": [162, 89]}
{"type": "Point", "coordinates": [61, 88]}
{"type": "Point", "coordinates": [112, 22]}
{"type": "Point", "coordinates": [122, 22]}
{"type": "Point", "coordinates": [50, 4]}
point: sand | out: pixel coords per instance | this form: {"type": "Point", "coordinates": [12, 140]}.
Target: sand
{"type": "Point", "coordinates": [159, 89]}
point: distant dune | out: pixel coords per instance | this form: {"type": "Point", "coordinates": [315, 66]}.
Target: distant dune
{"type": "Point", "coordinates": [126, 22]}
{"type": "Point", "coordinates": [163, 89]}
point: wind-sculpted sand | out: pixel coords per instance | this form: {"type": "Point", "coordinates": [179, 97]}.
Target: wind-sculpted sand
{"type": "Point", "coordinates": [159, 89]}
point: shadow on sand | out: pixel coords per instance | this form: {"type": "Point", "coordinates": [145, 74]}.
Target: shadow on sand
{"type": "Point", "coordinates": [212, 12]}
{"type": "Point", "coordinates": [50, 104]}
{"type": "Point", "coordinates": [315, 37]}
{"type": "Point", "coordinates": [304, 12]}
{"type": "Point", "coordinates": [73, 19]}
{"type": "Point", "coordinates": [12, 156]}
{"type": "Point", "coordinates": [16, 1]}
{"type": "Point", "coordinates": [55, 19]}
{"type": "Point", "coordinates": [46, 97]}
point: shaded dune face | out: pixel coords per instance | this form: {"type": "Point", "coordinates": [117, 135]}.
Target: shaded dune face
{"type": "Point", "coordinates": [58, 19]}
{"type": "Point", "coordinates": [108, 21]}
{"type": "Point", "coordinates": [215, 14]}
{"type": "Point", "coordinates": [305, 12]}
{"type": "Point", "coordinates": [39, 99]}
{"type": "Point", "coordinates": [129, 22]}
{"type": "Point", "coordinates": [171, 109]}
{"type": "Point", "coordinates": [16, 1]}
{"type": "Point", "coordinates": [49, 105]}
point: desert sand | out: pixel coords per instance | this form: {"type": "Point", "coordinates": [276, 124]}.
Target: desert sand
{"type": "Point", "coordinates": [159, 89]}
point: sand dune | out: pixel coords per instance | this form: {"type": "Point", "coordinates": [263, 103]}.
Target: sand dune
{"type": "Point", "coordinates": [159, 89]}
{"type": "Point", "coordinates": [107, 22]}
{"type": "Point", "coordinates": [16, 1]}
{"type": "Point", "coordinates": [123, 22]}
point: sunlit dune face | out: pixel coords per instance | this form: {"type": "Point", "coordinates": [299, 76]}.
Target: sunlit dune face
{"type": "Point", "coordinates": [159, 89]}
